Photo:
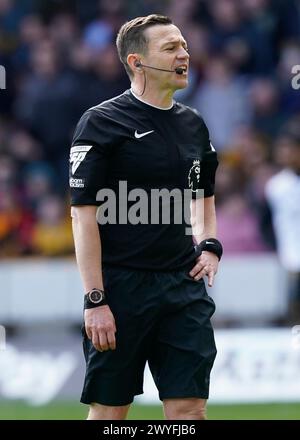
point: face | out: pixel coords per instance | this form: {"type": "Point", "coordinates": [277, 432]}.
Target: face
{"type": "Point", "coordinates": [287, 153]}
{"type": "Point", "coordinates": [167, 49]}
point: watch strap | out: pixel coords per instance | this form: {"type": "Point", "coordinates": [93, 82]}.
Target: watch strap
{"type": "Point", "coordinates": [88, 304]}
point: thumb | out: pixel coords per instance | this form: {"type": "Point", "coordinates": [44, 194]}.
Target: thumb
{"type": "Point", "coordinates": [88, 332]}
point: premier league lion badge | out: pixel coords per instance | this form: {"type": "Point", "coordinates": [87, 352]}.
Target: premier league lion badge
{"type": "Point", "coordinates": [194, 176]}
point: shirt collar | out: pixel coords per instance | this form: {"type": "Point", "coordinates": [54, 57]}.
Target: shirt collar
{"type": "Point", "coordinates": [151, 105]}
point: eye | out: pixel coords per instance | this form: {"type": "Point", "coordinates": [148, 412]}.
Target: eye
{"type": "Point", "coordinates": [169, 48]}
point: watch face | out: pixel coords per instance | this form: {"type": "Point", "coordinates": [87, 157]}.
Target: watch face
{"type": "Point", "coordinates": [96, 296]}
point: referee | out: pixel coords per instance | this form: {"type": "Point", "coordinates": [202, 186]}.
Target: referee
{"type": "Point", "coordinates": [145, 297]}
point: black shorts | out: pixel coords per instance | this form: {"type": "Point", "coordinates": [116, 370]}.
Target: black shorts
{"type": "Point", "coordinates": [162, 318]}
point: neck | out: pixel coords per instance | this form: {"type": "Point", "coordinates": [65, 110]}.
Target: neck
{"type": "Point", "coordinates": [156, 97]}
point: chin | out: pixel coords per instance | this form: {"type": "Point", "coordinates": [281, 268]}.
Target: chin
{"type": "Point", "coordinates": [182, 84]}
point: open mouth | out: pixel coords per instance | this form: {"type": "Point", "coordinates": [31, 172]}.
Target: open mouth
{"type": "Point", "coordinates": [184, 68]}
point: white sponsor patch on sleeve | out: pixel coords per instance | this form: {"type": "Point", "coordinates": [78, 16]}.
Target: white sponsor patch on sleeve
{"type": "Point", "coordinates": [77, 155]}
{"type": "Point", "coordinates": [76, 183]}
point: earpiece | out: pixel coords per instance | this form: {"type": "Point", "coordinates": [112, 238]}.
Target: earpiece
{"type": "Point", "coordinates": [137, 63]}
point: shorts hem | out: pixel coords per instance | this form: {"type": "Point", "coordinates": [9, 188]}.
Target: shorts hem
{"type": "Point", "coordinates": [107, 402]}
{"type": "Point", "coordinates": [184, 396]}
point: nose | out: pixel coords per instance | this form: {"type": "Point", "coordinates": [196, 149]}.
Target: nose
{"type": "Point", "coordinates": [183, 54]}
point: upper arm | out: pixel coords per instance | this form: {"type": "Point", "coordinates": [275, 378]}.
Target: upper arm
{"type": "Point", "coordinates": [88, 159]}
{"type": "Point", "coordinates": [209, 164]}
{"type": "Point", "coordinates": [83, 212]}
{"type": "Point", "coordinates": [207, 155]}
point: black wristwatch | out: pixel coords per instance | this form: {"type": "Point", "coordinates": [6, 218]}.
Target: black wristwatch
{"type": "Point", "coordinates": [94, 298]}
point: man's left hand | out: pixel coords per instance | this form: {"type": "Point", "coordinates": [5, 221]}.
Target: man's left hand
{"type": "Point", "coordinates": [207, 264]}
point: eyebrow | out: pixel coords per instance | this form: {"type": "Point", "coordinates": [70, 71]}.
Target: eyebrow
{"type": "Point", "coordinates": [175, 42]}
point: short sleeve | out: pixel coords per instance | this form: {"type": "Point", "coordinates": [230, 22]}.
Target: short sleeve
{"type": "Point", "coordinates": [88, 164]}
{"type": "Point", "coordinates": [209, 163]}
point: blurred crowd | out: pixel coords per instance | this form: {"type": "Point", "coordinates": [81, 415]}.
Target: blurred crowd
{"type": "Point", "coordinates": [60, 59]}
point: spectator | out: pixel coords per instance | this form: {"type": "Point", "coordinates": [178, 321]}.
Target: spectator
{"type": "Point", "coordinates": [283, 196]}
{"type": "Point", "coordinates": [38, 182]}
{"type": "Point", "coordinates": [267, 116]}
{"type": "Point", "coordinates": [15, 226]}
{"type": "Point", "coordinates": [52, 233]}
{"type": "Point", "coordinates": [238, 227]}
{"type": "Point", "coordinates": [222, 101]}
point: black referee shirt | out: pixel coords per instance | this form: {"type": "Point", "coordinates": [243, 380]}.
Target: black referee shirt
{"type": "Point", "coordinates": [124, 139]}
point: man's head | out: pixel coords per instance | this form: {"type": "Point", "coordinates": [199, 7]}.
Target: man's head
{"type": "Point", "coordinates": [287, 151]}
{"type": "Point", "coordinates": [152, 40]}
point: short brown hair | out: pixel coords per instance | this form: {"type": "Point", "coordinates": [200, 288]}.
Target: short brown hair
{"type": "Point", "coordinates": [131, 37]}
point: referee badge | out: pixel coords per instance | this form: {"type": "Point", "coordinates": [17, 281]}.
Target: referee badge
{"type": "Point", "coordinates": [77, 155]}
{"type": "Point", "coordinates": [194, 176]}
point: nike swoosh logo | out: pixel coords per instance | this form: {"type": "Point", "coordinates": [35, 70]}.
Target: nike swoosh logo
{"type": "Point", "coordinates": [140, 135]}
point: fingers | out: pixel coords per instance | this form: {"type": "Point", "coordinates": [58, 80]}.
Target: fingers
{"type": "Point", "coordinates": [210, 278]}
{"type": "Point", "coordinates": [95, 341]}
{"type": "Point", "coordinates": [103, 340]}
{"type": "Point", "coordinates": [111, 340]}
{"type": "Point", "coordinates": [100, 328]}
{"type": "Point", "coordinates": [200, 270]}
{"type": "Point", "coordinates": [201, 274]}
{"type": "Point", "coordinates": [196, 269]}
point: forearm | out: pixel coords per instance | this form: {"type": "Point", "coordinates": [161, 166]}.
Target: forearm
{"type": "Point", "coordinates": [87, 246]}
{"type": "Point", "coordinates": [203, 218]}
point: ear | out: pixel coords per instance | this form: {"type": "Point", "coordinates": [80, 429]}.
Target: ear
{"type": "Point", "coordinates": [133, 60]}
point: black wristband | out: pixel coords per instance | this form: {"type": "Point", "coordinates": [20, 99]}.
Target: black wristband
{"type": "Point", "coordinates": [211, 245]}
{"type": "Point", "coordinates": [89, 305]}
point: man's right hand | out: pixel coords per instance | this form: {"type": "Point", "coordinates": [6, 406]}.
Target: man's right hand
{"type": "Point", "coordinates": [100, 327]}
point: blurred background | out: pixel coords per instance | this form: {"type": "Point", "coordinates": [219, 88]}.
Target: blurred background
{"type": "Point", "coordinates": [60, 59]}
